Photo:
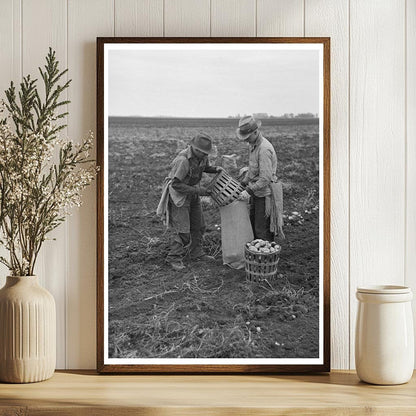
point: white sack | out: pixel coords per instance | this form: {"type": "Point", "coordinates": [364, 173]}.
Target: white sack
{"type": "Point", "coordinates": [235, 232]}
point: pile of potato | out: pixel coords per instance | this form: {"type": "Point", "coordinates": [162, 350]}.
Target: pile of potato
{"type": "Point", "coordinates": [262, 246]}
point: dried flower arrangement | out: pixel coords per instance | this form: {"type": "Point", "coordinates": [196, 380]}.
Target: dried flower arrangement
{"type": "Point", "coordinates": [41, 174]}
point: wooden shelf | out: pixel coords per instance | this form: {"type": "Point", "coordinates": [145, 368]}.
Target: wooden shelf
{"type": "Point", "coordinates": [86, 393]}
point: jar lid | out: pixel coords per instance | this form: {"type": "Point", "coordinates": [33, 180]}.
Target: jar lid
{"type": "Point", "coordinates": [384, 289]}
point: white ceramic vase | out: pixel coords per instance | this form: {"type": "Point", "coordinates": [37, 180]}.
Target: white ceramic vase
{"type": "Point", "coordinates": [27, 331]}
{"type": "Point", "coordinates": [384, 352]}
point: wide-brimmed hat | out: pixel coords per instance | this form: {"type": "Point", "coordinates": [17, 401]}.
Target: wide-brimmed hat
{"type": "Point", "coordinates": [202, 142]}
{"type": "Point", "coordinates": [246, 126]}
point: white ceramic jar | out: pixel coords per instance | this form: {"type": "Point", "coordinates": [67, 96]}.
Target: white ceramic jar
{"type": "Point", "coordinates": [384, 352]}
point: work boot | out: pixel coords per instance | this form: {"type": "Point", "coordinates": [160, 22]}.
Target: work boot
{"type": "Point", "coordinates": [177, 265]}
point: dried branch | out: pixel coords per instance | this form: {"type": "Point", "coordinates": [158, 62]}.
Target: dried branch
{"type": "Point", "coordinates": [36, 194]}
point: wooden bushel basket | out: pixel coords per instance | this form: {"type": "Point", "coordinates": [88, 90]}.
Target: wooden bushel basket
{"type": "Point", "coordinates": [224, 189]}
{"type": "Point", "coordinates": [260, 266]}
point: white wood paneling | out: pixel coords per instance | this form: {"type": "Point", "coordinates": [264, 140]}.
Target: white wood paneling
{"type": "Point", "coordinates": [10, 65]}
{"type": "Point", "coordinates": [377, 147]}
{"type": "Point", "coordinates": [10, 44]}
{"type": "Point", "coordinates": [6, 45]}
{"type": "Point", "coordinates": [330, 18]}
{"type": "Point", "coordinates": [187, 18]}
{"type": "Point", "coordinates": [280, 18]}
{"type": "Point", "coordinates": [411, 149]}
{"type": "Point", "coordinates": [233, 18]}
{"type": "Point", "coordinates": [138, 17]}
{"type": "Point", "coordinates": [44, 26]}
{"type": "Point", "coordinates": [86, 21]}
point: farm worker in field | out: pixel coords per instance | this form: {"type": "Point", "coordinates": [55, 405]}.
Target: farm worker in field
{"type": "Point", "coordinates": [181, 203]}
{"type": "Point", "coordinates": [260, 181]}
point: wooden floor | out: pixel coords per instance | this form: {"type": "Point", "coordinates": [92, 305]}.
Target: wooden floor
{"type": "Point", "coordinates": [86, 393]}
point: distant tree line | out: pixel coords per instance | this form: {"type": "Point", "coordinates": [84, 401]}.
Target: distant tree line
{"type": "Point", "coordinates": [286, 115]}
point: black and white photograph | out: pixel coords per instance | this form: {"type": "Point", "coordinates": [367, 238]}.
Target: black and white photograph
{"type": "Point", "coordinates": [213, 204]}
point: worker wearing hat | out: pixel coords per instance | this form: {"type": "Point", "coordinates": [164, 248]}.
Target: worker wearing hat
{"type": "Point", "coordinates": [185, 211]}
{"type": "Point", "coordinates": [259, 179]}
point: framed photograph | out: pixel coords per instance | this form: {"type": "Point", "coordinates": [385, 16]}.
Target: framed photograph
{"type": "Point", "coordinates": [213, 198]}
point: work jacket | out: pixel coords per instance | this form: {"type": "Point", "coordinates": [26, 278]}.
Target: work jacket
{"type": "Point", "coordinates": [187, 172]}
{"type": "Point", "coordinates": [262, 165]}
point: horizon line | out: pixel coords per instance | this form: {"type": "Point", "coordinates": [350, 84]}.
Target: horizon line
{"type": "Point", "coordinates": [192, 117]}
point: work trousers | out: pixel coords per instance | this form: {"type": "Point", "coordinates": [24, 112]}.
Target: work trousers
{"type": "Point", "coordinates": [188, 224]}
{"type": "Point", "coordinates": [259, 221]}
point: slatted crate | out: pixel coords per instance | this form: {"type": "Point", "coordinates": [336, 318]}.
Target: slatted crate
{"type": "Point", "coordinates": [224, 188]}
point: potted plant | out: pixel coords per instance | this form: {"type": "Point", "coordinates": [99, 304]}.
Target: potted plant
{"type": "Point", "coordinates": [42, 176]}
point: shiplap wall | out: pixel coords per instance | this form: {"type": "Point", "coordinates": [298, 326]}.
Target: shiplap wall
{"type": "Point", "coordinates": [373, 132]}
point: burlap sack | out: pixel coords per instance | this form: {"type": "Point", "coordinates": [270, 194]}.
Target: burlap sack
{"type": "Point", "coordinates": [235, 232]}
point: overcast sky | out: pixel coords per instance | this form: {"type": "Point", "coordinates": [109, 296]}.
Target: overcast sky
{"type": "Point", "coordinates": [212, 83]}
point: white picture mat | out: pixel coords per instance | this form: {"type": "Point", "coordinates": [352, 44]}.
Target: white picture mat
{"type": "Point", "coordinates": [214, 361]}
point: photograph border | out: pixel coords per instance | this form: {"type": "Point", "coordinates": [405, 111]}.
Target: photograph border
{"type": "Point", "coordinates": [208, 368]}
